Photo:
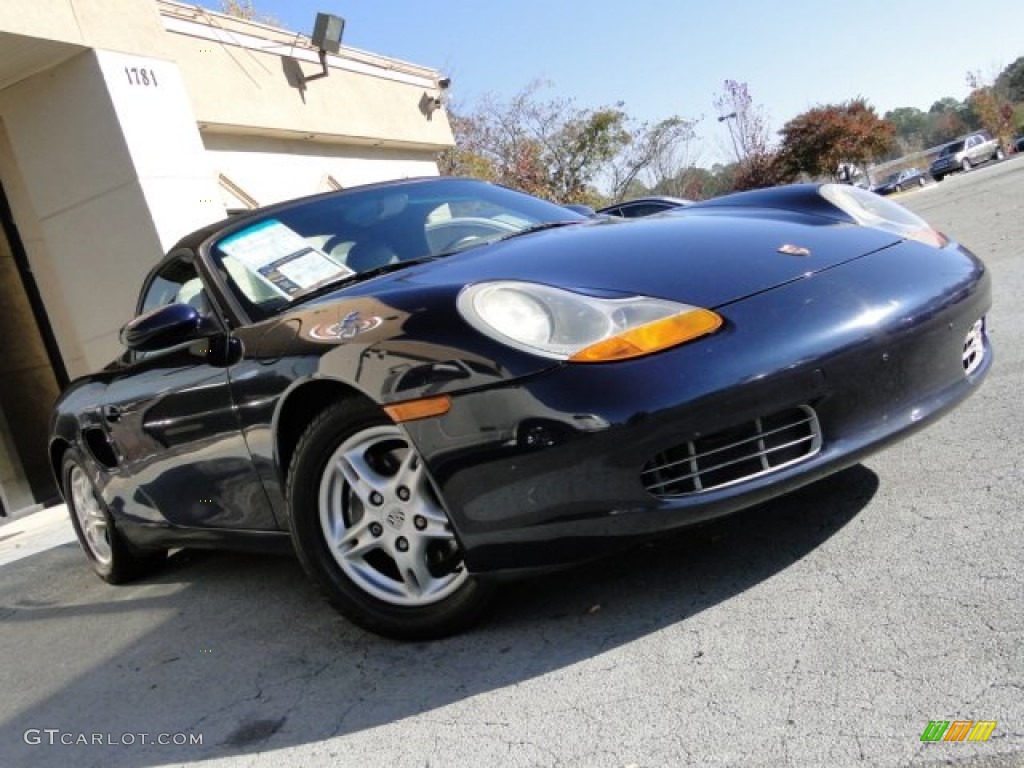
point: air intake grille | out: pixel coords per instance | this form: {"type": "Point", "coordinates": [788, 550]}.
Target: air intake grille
{"type": "Point", "coordinates": [974, 347]}
{"type": "Point", "coordinates": [733, 455]}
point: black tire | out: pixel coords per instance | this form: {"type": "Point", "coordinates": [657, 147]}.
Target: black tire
{"type": "Point", "coordinates": [999, 155]}
{"type": "Point", "coordinates": [920, 181]}
{"type": "Point", "coordinates": [114, 559]}
{"type": "Point", "coordinates": [348, 482]}
{"type": "Point", "coordinates": [898, 189]}
{"type": "Point", "coordinates": [938, 177]}
{"type": "Point", "coordinates": [965, 164]}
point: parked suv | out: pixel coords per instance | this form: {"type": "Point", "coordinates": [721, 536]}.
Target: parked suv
{"type": "Point", "coordinates": [965, 153]}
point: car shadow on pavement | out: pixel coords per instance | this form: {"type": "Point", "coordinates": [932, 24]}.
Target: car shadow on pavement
{"type": "Point", "coordinates": [239, 648]}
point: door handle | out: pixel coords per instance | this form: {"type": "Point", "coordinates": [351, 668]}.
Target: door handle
{"type": "Point", "coordinates": [111, 413]}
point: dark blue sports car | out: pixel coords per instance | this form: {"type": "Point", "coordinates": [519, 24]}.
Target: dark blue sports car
{"type": "Point", "coordinates": [424, 384]}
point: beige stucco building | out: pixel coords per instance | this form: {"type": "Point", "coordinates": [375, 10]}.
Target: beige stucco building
{"type": "Point", "coordinates": [125, 124]}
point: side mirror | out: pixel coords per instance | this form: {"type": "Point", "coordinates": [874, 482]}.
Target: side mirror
{"type": "Point", "coordinates": [164, 327]}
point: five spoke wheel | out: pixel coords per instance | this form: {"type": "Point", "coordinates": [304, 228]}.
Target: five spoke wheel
{"type": "Point", "coordinates": [110, 554]}
{"type": "Point", "coordinates": [383, 522]}
{"type": "Point", "coordinates": [91, 518]}
{"type": "Point", "coordinates": [372, 530]}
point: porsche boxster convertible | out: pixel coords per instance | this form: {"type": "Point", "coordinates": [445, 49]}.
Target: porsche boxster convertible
{"type": "Point", "coordinates": [424, 386]}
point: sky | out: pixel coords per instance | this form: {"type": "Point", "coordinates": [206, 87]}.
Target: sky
{"type": "Point", "coordinates": [670, 57]}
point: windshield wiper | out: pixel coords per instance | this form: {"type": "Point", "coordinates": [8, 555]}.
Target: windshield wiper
{"type": "Point", "coordinates": [358, 277]}
{"type": "Point", "coordinates": [540, 227]}
{"type": "Point", "coordinates": [482, 241]}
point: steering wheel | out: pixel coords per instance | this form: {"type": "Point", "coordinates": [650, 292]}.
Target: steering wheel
{"type": "Point", "coordinates": [462, 242]}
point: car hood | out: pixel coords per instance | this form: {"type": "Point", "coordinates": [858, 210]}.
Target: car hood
{"type": "Point", "coordinates": [706, 257]}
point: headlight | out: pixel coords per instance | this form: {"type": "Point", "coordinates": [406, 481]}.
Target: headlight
{"type": "Point", "coordinates": [563, 325]}
{"type": "Point", "coordinates": [871, 210]}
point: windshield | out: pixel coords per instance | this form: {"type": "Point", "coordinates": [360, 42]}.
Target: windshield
{"type": "Point", "coordinates": [274, 260]}
{"type": "Point", "coordinates": [952, 148]}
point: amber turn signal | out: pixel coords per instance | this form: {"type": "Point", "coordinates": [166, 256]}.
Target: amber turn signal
{"type": "Point", "coordinates": [411, 410]}
{"type": "Point", "coordinates": [929, 236]}
{"type": "Point", "coordinates": [651, 337]}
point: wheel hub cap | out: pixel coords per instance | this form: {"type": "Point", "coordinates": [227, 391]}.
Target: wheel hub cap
{"type": "Point", "coordinates": [395, 519]}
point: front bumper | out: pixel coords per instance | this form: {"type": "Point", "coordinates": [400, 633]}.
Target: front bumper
{"type": "Point", "coordinates": [550, 469]}
{"type": "Point", "coordinates": [946, 166]}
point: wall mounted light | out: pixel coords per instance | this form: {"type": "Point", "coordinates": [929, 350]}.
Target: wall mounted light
{"type": "Point", "coordinates": [327, 32]}
{"type": "Point", "coordinates": [430, 103]}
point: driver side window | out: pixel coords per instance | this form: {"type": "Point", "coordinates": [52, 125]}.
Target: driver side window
{"type": "Point", "coordinates": [177, 282]}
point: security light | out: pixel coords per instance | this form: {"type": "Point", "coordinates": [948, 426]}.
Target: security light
{"type": "Point", "coordinates": [327, 32]}
{"type": "Point", "coordinates": [326, 37]}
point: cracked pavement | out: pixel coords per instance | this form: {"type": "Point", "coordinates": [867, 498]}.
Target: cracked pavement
{"type": "Point", "coordinates": [825, 628]}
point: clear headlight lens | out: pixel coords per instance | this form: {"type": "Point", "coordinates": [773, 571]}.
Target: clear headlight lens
{"type": "Point", "coordinates": [564, 325]}
{"type": "Point", "coordinates": [871, 210]}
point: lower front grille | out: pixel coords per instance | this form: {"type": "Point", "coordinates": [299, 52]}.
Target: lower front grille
{"type": "Point", "coordinates": [974, 347]}
{"type": "Point", "coordinates": [766, 444]}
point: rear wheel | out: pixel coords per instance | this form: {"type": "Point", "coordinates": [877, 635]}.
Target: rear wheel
{"type": "Point", "coordinates": [371, 529]}
{"type": "Point", "coordinates": [113, 559]}
{"type": "Point", "coordinates": [920, 181]}
{"type": "Point", "coordinates": [999, 155]}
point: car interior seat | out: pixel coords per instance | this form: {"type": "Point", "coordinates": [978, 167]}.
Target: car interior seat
{"type": "Point", "coordinates": [370, 254]}
{"type": "Point", "coordinates": [193, 294]}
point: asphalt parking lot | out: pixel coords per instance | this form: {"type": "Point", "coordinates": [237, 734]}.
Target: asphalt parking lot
{"type": "Point", "coordinates": [824, 629]}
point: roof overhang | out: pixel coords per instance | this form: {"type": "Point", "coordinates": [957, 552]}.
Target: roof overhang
{"type": "Point", "coordinates": [22, 56]}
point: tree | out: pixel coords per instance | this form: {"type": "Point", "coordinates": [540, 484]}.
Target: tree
{"type": "Point", "coordinates": [556, 149]}
{"type": "Point", "coordinates": [822, 140]}
{"type": "Point", "coordinates": [943, 126]}
{"type": "Point", "coordinates": [576, 150]}
{"type": "Point", "coordinates": [747, 122]}
{"type": "Point", "coordinates": [756, 161]}
{"type": "Point", "coordinates": [691, 182]}
{"type": "Point", "coordinates": [468, 157]}
{"type": "Point", "coordinates": [655, 153]}
{"type": "Point", "coordinates": [760, 171]}
{"type": "Point", "coordinates": [495, 141]}
{"type": "Point", "coordinates": [1010, 82]}
{"type": "Point", "coordinates": [910, 125]}
{"type": "Point", "coordinates": [945, 105]}
{"type": "Point", "coordinates": [994, 112]}
{"type": "Point", "coordinates": [948, 118]}
{"type": "Point", "coordinates": [244, 9]}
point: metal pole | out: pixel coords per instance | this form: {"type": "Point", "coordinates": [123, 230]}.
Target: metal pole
{"type": "Point", "coordinates": [732, 135]}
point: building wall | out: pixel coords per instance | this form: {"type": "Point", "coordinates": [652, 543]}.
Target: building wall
{"type": "Point", "coordinates": [28, 386]}
{"type": "Point", "coordinates": [249, 77]}
{"type": "Point", "coordinates": [27, 390]}
{"type": "Point", "coordinates": [15, 492]}
{"type": "Point", "coordinates": [114, 174]}
{"type": "Point", "coordinates": [270, 170]}
{"type": "Point", "coordinates": [116, 25]}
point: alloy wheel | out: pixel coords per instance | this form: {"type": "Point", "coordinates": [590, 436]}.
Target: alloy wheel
{"type": "Point", "coordinates": [90, 515]}
{"type": "Point", "coordinates": [383, 522]}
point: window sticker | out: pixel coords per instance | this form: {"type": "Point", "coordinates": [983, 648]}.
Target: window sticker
{"type": "Point", "coordinates": [282, 257]}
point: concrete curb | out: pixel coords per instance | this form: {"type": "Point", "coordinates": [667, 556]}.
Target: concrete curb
{"type": "Point", "coordinates": [34, 531]}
